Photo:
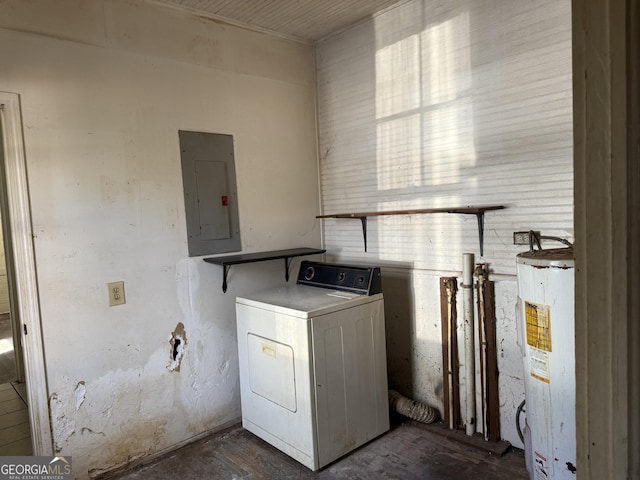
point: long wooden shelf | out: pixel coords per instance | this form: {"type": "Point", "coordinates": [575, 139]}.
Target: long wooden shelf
{"type": "Point", "coordinates": [226, 261]}
{"type": "Point", "coordinates": [477, 211]}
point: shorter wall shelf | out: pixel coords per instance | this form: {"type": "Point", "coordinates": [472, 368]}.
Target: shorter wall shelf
{"type": "Point", "coordinates": [477, 211]}
{"type": "Point", "coordinates": [226, 261]}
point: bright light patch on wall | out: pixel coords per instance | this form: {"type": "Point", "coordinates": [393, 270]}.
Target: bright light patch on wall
{"type": "Point", "coordinates": [6, 345]}
{"type": "Point", "coordinates": [446, 63]}
{"type": "Point", "coordinates": [398, 77]}
{"type": "Point", "coordinates": [398, 153]}
{"type": "Point", "coordinates": [425, 131]}
{"type": "Point", "coordinates": [450, 146]}
{"type": "Point", "coordinates": [446, 83]}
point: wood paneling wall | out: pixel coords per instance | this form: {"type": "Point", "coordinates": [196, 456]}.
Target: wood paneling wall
{"type": "Point", "coordinates": [448, 104]}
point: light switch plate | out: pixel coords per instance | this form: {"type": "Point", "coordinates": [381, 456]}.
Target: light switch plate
{"type": "Point", "coordinates": [116, 293]}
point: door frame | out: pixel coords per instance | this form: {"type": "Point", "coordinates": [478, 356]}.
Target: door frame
{"type": "Point", "coordinates": [25, 283]}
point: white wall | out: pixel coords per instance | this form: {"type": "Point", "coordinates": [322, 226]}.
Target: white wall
{"type": "Point", "coordinates": [447, 104]}
{"type": "Point", "coordinates": [105, 86]}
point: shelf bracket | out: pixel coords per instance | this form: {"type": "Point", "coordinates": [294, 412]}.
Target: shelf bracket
{"type": "Point", "coordinates": [287, 264]}
{"type": "Point", "coordinates": [225, 272]}
{"type": "Point", "coordinates": [480, 217]}
{"type": "Point", "coordinates": [364, 231]}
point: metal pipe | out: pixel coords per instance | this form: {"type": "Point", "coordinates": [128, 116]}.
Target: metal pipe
{"type": "Point", "coordinates": [469, 350]}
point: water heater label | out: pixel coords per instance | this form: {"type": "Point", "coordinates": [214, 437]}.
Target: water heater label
{"type": "Point", "coordinates": [539, 364]}
{"type": "Point", "coordinates": [538, 322]}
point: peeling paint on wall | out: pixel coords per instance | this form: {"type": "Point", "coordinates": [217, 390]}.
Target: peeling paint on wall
{"type": "Point", "coordinates": [88, 430]}
{"type": "Point", "coordinates": [178, 342]}
{"type": "Point", "coordinates": [63, 426]}
{"type": "Point", "coordinates": [80, 392]}
{"type": "Point", "coordinates": [223, 366]}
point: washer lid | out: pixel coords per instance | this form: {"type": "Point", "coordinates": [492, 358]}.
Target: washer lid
{"type": "Point", "coordinates": [305, 302]}
{"type": "Point", "coordinates": [552, 257]}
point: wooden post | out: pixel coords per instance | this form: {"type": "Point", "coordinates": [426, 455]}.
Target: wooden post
{"type": "Point", "coordinates": [488, 355]}
{"type": "Point", "coordinates": [450, 364]}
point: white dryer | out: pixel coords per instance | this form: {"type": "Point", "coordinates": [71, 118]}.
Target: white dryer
{"type": "Point", "coordinates": [313, 370]}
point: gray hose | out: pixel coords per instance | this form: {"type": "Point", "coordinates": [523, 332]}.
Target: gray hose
{"type": "Point", "coordinates": [412, 409]}
{"type": "Point", "coordinates": [519, 412]}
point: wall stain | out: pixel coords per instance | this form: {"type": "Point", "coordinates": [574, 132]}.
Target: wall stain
{"type": "Point", "coordinates": [125, 450]}
{"type": "Point", "coordinates": [63, 427]}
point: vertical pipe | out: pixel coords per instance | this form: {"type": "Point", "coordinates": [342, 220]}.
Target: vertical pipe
{"type": "Point", "coordinates": [469, 351]}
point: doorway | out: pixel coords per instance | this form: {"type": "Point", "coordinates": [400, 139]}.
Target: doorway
{"type": "Point", "coordinates": [15, 430]}
{"type": "Point", "coordinates": [24, 309]}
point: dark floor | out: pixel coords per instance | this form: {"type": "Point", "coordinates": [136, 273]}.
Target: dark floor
{"type": "Point", "coordinates": [410, 451]}
{"type": "Point", "coordinates": [15, 431]}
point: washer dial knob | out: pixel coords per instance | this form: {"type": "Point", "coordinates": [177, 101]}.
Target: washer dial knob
{"type": "Point", "coordinates": [309, 273]}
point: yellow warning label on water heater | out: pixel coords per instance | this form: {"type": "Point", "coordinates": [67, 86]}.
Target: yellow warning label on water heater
{"type": "Point", "coordinates": [538, 322]}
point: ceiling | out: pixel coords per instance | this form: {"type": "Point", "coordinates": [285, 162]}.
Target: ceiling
{"type": "Point", "coordinates": [305, 20]}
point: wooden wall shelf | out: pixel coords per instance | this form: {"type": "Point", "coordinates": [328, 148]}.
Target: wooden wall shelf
{"type": "Point", "coordinates": [226, 261]}
{"type": "Point", "coordinates": [477, 211]}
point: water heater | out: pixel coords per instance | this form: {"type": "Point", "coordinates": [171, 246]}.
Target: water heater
{"type": "Point", "coordinates": [546, 335]}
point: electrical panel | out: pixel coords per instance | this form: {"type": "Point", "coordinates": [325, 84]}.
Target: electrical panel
{"type": "Point", "coordinates": [210, 193]}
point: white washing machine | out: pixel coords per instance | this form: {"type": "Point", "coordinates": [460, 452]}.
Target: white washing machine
{"type": "Point", "coordinates": [313, 367]}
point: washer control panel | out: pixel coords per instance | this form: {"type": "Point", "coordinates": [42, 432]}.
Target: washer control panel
{"type": "Point", "coordinates": [349, 278]}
